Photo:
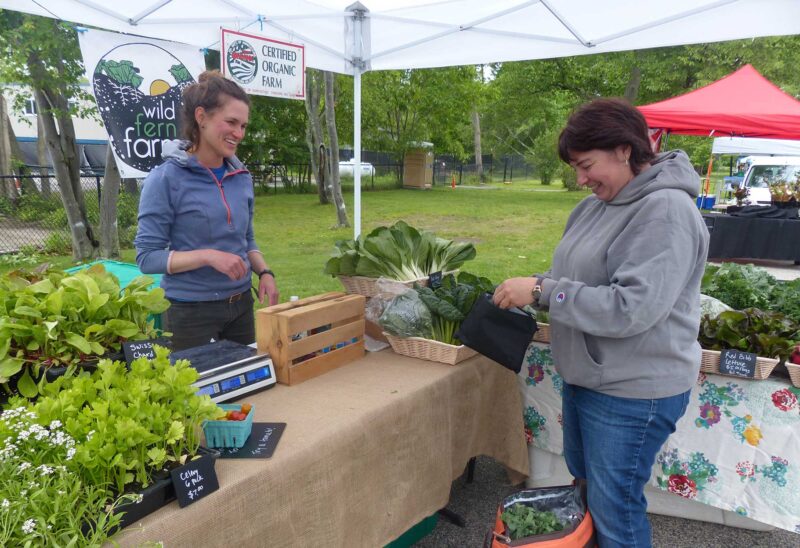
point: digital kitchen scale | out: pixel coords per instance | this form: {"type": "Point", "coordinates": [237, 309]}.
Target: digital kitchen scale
{"type": "Point", "coordinates": [228, 369]}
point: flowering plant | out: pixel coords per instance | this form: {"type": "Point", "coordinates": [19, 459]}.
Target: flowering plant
{"type": "Point", "coordinates": [43, 501]}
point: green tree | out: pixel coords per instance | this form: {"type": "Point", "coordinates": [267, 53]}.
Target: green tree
{"type": "Point", "coordinates": [43, 54]}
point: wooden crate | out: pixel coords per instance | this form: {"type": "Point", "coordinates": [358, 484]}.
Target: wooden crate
{"type": "Point", "coordinates": [276, 326]}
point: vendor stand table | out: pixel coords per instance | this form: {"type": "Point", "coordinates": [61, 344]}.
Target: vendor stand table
{"type": "Point", "coordinates": [369, 450]}
{"type": "Point", "coordinates": [752, 237]}
{"type": "Point", "coordinates": [737, 448]}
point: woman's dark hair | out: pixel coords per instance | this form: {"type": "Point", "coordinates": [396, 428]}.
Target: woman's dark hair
{"type": "Point", "coordinates": [210, 92]}
{"type": "Point", "coordinates": [605, 124]}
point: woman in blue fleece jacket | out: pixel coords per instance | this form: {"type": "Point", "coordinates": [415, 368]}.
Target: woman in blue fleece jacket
{"type": "Point", "coordinates": [624, 301]}
{"type": "Point", "coordinates": [196, 221]}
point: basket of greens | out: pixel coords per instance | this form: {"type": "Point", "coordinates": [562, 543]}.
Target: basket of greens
{"type": "Point", "coordinates": [422, 322]}
{"type": "Point", "coordinates": [399, 252]}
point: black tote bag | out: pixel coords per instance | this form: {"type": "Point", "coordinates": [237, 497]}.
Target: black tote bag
{"type": "Point", "coordinates": [502, 335]}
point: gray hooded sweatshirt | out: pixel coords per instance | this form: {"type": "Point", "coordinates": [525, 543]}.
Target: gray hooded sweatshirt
{"type": "Point", "coordinates": [624, 289]}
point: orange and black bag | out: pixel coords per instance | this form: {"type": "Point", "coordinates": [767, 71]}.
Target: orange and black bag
{"type": "Point", "coordinates": [567, 502]}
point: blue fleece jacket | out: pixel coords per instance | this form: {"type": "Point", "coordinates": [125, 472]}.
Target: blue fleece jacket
{"type": "Point", "coordinates": [184, 207]}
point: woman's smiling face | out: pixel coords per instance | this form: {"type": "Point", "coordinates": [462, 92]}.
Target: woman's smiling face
{"type": "Point", "coordinates": [604, 172]}
{"type": "Point", "coordinates": [222, 129]}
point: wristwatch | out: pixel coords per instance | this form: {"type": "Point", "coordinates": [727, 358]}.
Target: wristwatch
{"type": "Point", "coordinates": [266, 271]}
{"type": "Point", "coordinates": [536, 292]}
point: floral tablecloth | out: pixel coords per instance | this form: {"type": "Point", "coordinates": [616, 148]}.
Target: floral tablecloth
{"type": "Point", "coordinates": [737, 448]}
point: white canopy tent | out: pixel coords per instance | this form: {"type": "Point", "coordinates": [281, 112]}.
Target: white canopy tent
{"type": "Point", "coordinates": [402, 34]}
{"type": "Point", "coordinates": [755, 147]}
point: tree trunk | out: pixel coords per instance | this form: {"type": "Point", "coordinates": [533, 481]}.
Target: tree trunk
{"type": "Point", "coordinates": [476, 135]}
{"type": "Point", "coordinates": [64, 152]}
{"type": "Point", "coordinates": [8, 187]}
{"type": "Point", "coordinates": [333, 151]}
{"type": "Point", "coordinates": [635, 80]}
{"type": "Point", "coordinates": [109, 234]}
{"type": "Point", "coordinates": [314, 137]}
{"type": "Point", "coordinates": [41, 155]}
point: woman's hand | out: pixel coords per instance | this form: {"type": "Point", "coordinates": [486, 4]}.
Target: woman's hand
{"type": "Point", "coordinates": [514, 292]}
{"type": "Point", "coordinates": [267, 286]}
{"type": "Point", "coordinates": [229, 264]}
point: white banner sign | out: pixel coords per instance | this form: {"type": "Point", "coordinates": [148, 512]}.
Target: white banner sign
{"type": "Point", "coordinates": [263, 66]}
{"type": "Point", "coordinates": [137, 83]}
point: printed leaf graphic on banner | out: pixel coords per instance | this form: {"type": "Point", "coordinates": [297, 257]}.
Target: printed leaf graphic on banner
{"type": "Point", "coordinates": [137, 83]}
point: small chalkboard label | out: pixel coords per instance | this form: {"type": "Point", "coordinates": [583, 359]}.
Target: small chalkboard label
{"type": "Point", "coordinates": [194, 480]}
{"type": "Point", "coordinates": [435, 280]}
{"type": "Point", "coordinates": [139, 349]}
{"type": "Point", "coordinates": [737, 363]}
{"type": "Point", "coordinates": [261, 444]}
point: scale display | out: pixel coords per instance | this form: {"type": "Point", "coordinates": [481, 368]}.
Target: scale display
{"type": "Point", "coordinates": [228, 370]}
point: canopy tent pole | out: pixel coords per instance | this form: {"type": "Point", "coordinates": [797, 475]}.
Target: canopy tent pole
{"type": "Point", "coordinates": [357, 146]}
{"type": "Point", "coordinates": [358, 14]}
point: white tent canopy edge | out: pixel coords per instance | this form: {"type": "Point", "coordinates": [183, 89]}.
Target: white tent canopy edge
{"type": "Point", "coordinates": [404, 34]}
{"type": "Point", "coordinates": [755, 146]}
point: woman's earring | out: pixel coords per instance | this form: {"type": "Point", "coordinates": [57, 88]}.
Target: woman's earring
{"type": "Point", "coordinates": [626, 162]}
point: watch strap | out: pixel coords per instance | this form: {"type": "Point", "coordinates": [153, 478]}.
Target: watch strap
{"type": "Point", "coordinates": [266, 271]}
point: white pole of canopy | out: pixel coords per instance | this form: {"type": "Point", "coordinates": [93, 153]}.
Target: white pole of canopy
{"type": "Point", "coordinates": [357, 147]}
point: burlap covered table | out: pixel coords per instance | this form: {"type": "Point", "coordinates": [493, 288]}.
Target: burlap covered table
{"type": "Point", "coordinates": [369, 450]}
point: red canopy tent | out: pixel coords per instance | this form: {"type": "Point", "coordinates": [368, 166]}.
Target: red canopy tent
{"type": "Point", "coordinates": [742, 104]}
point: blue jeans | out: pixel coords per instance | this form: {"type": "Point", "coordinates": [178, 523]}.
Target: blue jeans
{"type": "Point", "coordinates": [612, 442]}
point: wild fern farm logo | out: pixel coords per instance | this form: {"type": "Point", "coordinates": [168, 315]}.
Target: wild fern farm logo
{"type": "Point", "coordinates": [138, 91]}
{"type": "Point", "coordinates": [242, 61]}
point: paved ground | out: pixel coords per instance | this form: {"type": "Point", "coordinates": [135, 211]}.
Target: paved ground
{"type": "Point", "coordinates": [477, 503]}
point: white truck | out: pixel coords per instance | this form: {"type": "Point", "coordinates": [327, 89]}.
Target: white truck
{"type": "Point", "coordinates": [767, 170]}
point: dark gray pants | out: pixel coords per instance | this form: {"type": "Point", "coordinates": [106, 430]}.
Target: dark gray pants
{"type": "Point", "coordinates": [196, 323]}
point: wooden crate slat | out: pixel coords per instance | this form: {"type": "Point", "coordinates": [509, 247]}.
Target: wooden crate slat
{"type": "Point", "coordinates": [326, 362]}
{"type": "Point", "coordinates": [324, 313]}
{"type": "Point", "coordinates": [318, 341]}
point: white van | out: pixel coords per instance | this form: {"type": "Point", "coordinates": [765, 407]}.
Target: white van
{"type": "Point", "coordinates": [766, 170]}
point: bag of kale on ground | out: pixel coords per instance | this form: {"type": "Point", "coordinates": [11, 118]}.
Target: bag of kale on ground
{"type": "Point", "coordinates": [544, 516]}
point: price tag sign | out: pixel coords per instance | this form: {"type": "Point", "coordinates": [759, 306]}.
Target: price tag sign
{"type": "Point", "coordinates": [139, 349]}
{"type": "Point", "coordinates": [435, 280]}
{"type": "Point", "coordinates": [194, 480]}
{"type": "Point", "coordinates": [260, 445]}
{"type": "Point", "coordinates": [737, 363]}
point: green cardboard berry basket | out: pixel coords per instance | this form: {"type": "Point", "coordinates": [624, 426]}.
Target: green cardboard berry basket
{"type": "Point", "coordinates": [228, 434]}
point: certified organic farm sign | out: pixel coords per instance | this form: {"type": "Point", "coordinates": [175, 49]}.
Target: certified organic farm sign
{"type": "Point", "coordinates": [137, 84]}
{"type": "Point", "coordinates": [263, 66]}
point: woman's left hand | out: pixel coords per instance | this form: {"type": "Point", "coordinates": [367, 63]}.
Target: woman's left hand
{"type": "Point", "coordinates": [267, 286]}
{"type": "Point", "coordinates": [514, 292]}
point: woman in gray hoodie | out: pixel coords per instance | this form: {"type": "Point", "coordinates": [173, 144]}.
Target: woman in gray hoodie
{"type": "Point", "coordinates": [624, 301]}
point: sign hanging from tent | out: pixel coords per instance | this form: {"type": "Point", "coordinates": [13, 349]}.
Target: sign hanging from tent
{"type": "Point", "coordinates": [137, 83]}
{"type": "Point", "coordinates": [263, 66]}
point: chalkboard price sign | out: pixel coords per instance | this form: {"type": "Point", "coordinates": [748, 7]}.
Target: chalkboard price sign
{"type": "Point", "coordinates": [737, 363]}
{"type": "Point", "coordinates": [139, 349]}
{"type": "Point", "coordinates": [194, 480]}
{"type": "Point", "coordinates": [435, 280]}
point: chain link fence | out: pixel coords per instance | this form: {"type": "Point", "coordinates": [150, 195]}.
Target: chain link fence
{"type": "Point", "coordinates": [33, 218]}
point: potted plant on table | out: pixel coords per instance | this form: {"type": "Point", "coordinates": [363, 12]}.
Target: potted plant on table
{"type": "Point", "coordinates": [52, 321]}
{"type": "Point", "coordinates": [129, 427]}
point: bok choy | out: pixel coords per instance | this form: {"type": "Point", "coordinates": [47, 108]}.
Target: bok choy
{"type": "Point", "coordinates": [399, 252]}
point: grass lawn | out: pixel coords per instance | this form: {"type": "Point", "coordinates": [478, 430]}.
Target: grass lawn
{"type": "Point", "coordinates": [515, 228]}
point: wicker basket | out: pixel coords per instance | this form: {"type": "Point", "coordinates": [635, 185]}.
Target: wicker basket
{"type": "Point", "coordinates": [794, 373]}
{"type": "Point", "coordinates": [426, 349]}
{"type": "Point", "coordinates": [362, 285]}
{"type": "Point", "coordinates": [542, 334]}
{"type": "Point", "coordinates": [709, 363]}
